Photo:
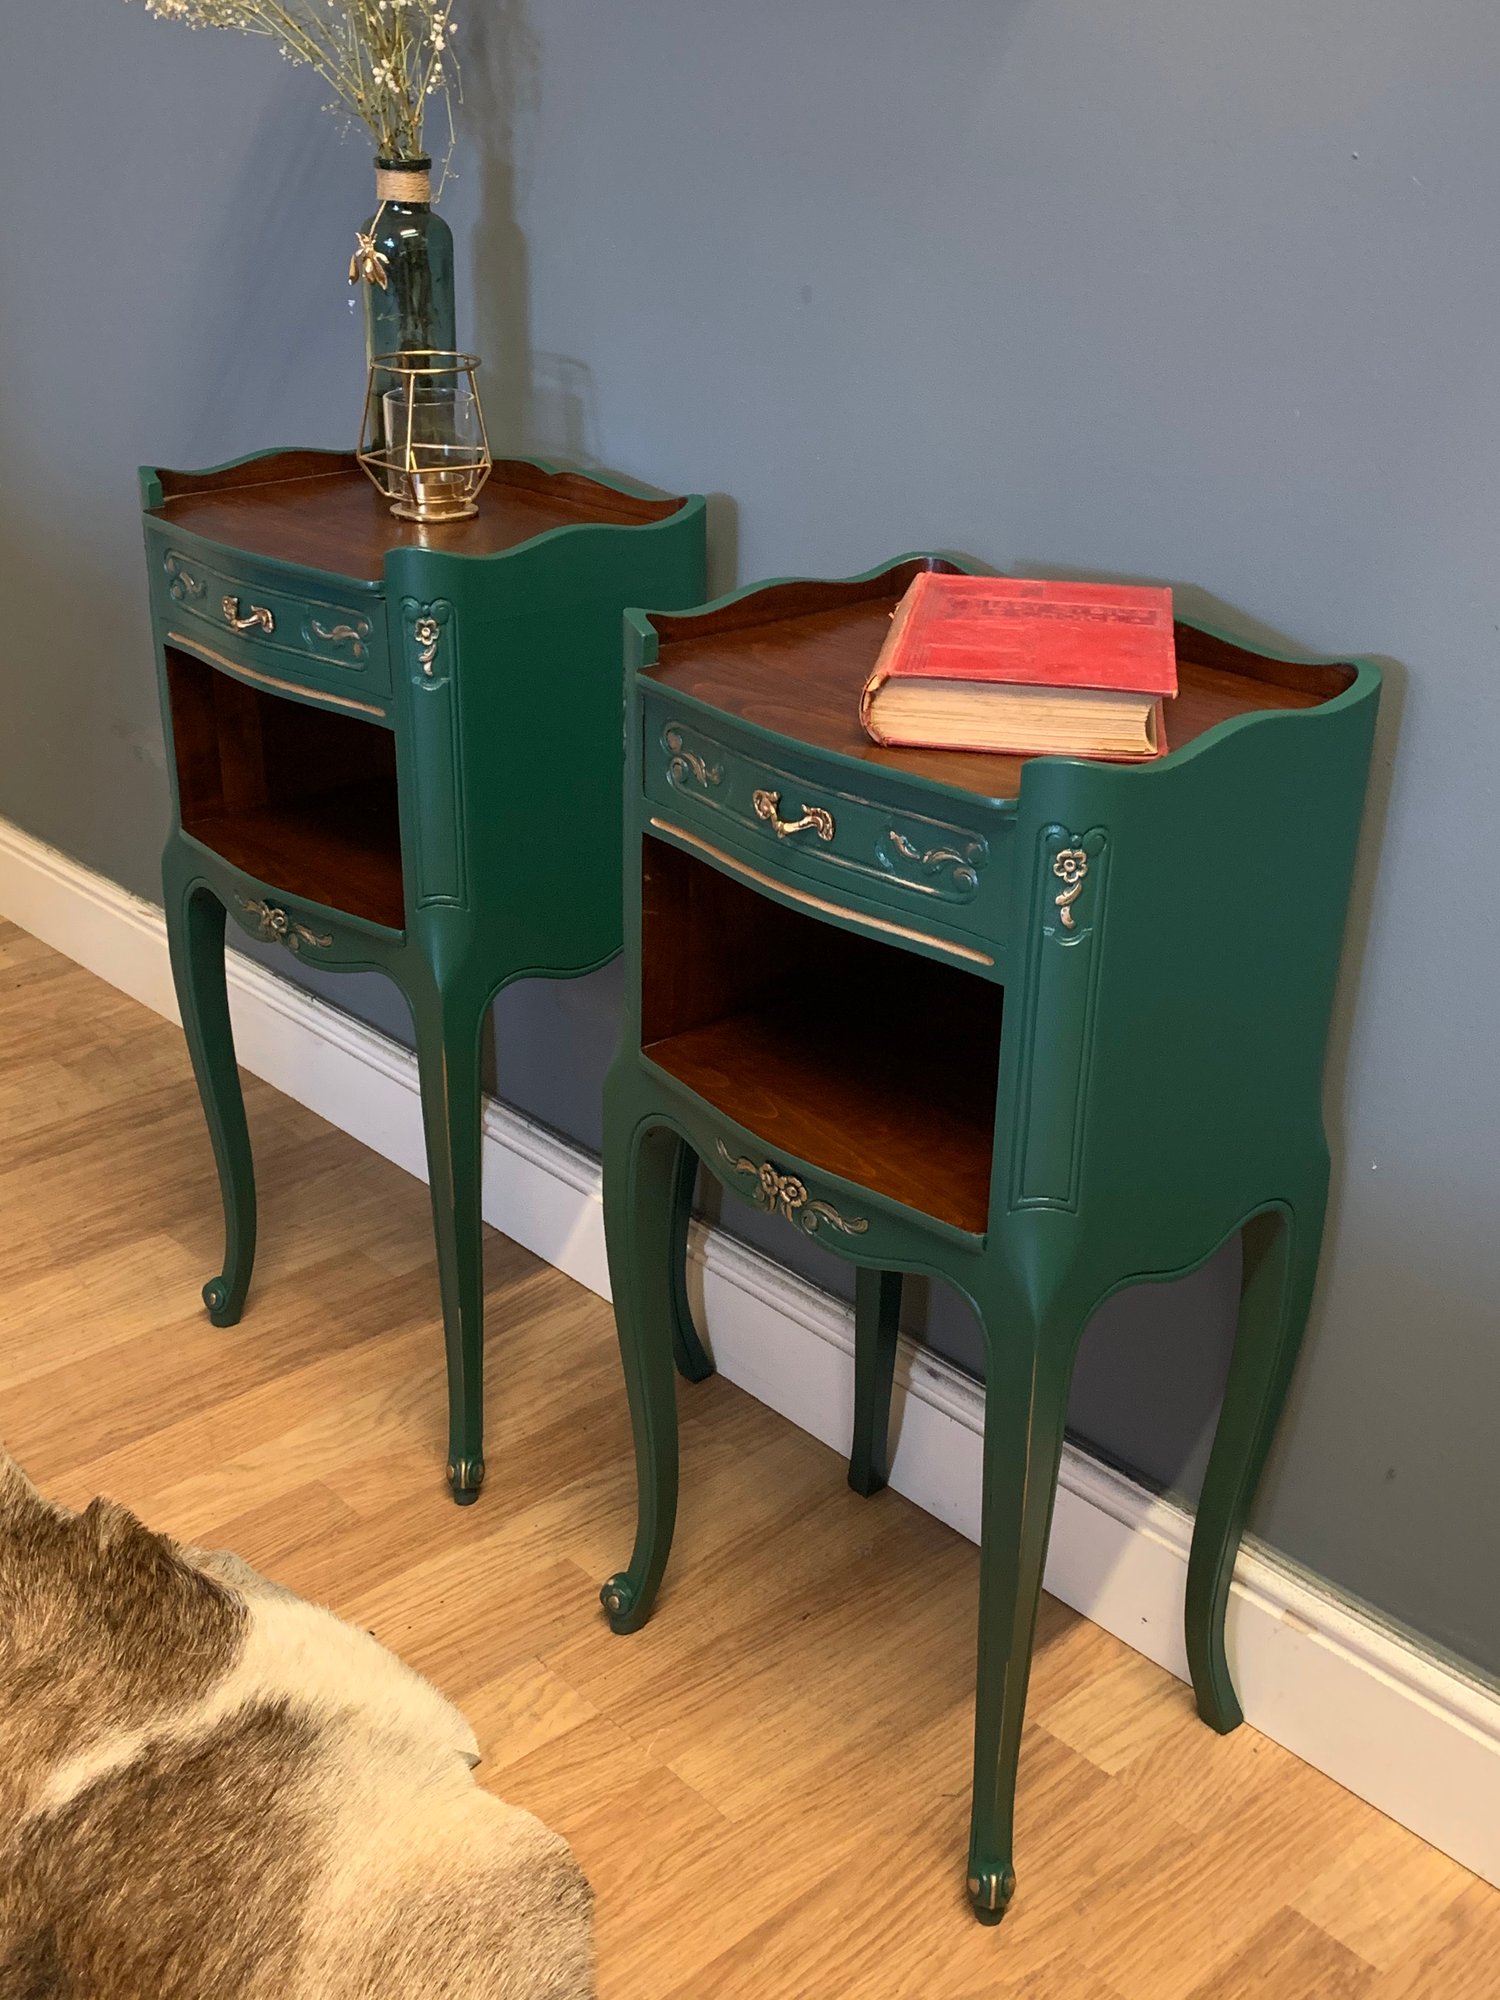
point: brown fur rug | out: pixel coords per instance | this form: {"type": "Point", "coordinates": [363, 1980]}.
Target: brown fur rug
{"type": "Point", "coordinates": [210, 1790]}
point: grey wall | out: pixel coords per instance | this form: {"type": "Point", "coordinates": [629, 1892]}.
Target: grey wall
{"type": "Point", "coordinates": [1186, 291]}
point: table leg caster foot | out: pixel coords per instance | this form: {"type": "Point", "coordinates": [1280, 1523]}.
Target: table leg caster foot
{"type": "Point", "coordinates": [465, 1477]}
{"type": "Point", "coordinates": [1219, 1707]}
{"type": "Point", "coordinates": [990, 1891]}
{"type": "Point", "coordinates": [618, 1597]}
{"type": "Point", "coordinates": [223, 1308]}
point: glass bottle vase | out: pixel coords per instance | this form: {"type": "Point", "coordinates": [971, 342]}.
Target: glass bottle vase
{"type": "Point", "coordinates": [405, 262]}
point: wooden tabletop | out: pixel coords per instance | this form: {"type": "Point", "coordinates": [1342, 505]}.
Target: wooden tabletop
{"type": "Point", "coordinates": [794, 657]}
{"type": "Point", "coordinates": [320, 510]}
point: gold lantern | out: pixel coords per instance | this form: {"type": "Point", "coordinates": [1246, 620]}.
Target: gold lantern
{"type": "Point", "coordinates": [424, 442]}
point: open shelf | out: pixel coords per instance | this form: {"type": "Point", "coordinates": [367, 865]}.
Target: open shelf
{"type": "Point", "coordinates": [859, 1057]}
{"type": "Point", "coordinates": [299, 797]}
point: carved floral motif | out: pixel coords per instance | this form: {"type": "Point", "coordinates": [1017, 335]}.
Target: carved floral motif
{"type": "Point", "coordinates": [776, 1193]}
{"type": "Point", "coordinates": [428, 635]}
{"type": "Point", "coordinates": [182, 585]}
{"type": "Point", "coordinates": [427, 624]}
{"type": "Point", "coordinates": [965, 861]}
{"type": "Point", "coordinates": [353, 636]}
{"type": "Point", "coordinates": [1070, 866]}
{"type": "Point", "coordinates": [686, 765]}
{"type": "Point", "coordinates": [277, 927]}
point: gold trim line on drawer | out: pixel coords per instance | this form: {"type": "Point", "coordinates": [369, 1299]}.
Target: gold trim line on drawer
{"type": "Point", "coordinates": [821, 902]}
{"type": "Point", "coordinates": [270, 680]}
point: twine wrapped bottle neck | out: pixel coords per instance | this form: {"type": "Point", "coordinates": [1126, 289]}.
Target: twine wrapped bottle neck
{"type": "Point", "coordinates": [405, 184]}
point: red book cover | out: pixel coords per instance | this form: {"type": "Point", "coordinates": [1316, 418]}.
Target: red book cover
{"type": "Point", "coordinates": [1026, 633]}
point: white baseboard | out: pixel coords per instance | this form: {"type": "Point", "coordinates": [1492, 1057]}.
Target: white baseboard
{"type": "Point", "coordinates": [1400, 1727]}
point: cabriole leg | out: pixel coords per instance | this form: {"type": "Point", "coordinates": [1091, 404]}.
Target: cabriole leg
{"type": "Point", "coordinates": [1281, 1262]}
{"type": "Point", "coordinates": [449, 1022]}
{"type": "Point", "coordinates": [641, 1181]}
{"type": "Point", "coordinates": [1029, 1363]}
{"type": "Point", "coordinates": [195, 938]}
{"type": "Point", "coordinates": [693, 1360]}
{"type": "Point", "coordinates": [877, 1327]}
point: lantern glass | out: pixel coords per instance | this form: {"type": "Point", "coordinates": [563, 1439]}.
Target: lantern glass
{"type": "Point", "coordinates": [424, 443]}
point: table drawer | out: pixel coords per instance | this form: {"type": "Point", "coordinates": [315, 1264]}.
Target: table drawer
{"type": "Point", "coordinates": [330, 638]}
{"type": "Point", "coordinates": [921, 859]}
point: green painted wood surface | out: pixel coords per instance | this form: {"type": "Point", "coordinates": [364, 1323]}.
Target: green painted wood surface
{"type": "Point", "coordinates": [1159, 1090]}
{"type": "Point", "coordinates": [507, 737]}
{"type": "Point", "coordinates": [865, 862]}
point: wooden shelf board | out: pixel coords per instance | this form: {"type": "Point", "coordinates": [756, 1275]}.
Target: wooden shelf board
{"type": "Point", "coordinates": [891, 1106]}
{"type": "Point", "coordinates": [340, 848]}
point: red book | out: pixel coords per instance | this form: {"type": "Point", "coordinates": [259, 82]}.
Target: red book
{"type": "Point", "coordinates": [1026, 668]}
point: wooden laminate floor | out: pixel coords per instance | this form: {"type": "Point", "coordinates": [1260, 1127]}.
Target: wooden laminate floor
{"type": "Point", "coordinates": [769, 1785]}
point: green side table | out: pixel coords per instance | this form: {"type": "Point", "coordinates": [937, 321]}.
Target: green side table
{"type": "Point", "coordinates": [397, 748]}
{"type": "Point", "coordinates": [1040, 1028]}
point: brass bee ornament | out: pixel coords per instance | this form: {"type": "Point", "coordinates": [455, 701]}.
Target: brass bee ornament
{"type": "Point", "coordinates": [368, 262]}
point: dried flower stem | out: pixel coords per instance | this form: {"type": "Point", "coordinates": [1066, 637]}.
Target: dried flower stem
{"type": "Point", "coordinates": [383, 59]}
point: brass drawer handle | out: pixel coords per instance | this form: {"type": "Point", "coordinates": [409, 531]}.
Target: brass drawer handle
{"type": "Point", "coordinates": [257, 615]}
{"type": "Point", "coordinates": [768, 807]}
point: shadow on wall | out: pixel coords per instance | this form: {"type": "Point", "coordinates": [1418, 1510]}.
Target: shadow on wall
{"type": "Point", "coordinates": [179, 331]}
{"type": "Point", "coordinates": [1177, 1337]}
{"type": "Point", "coordinates": [1203, 608]}
{"type": "Point", "coordinates": [1152, 1363]}
{"type": "Point", "coordinates": [501, 84]}
{"type": "Point", "coordinates": [536, 401]}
